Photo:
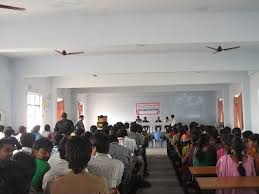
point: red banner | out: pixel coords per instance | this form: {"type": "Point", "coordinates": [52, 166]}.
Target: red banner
{"type": "Point", "coordinates": [148, 108]}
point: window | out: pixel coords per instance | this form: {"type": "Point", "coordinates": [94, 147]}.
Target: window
{"type": "Point", "coordinates": [34, 110]}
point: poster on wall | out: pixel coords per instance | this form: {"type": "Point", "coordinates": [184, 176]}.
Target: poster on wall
{"type": "Point", "coordinates": [148, 108]}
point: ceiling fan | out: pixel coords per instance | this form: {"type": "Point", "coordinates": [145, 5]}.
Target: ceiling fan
{"type": "Point", "coordinates": [64, 52]}
{"type": "Point", "coordinates": [220, 49]}
{"type": "Point", "coordinates": [12, 7]}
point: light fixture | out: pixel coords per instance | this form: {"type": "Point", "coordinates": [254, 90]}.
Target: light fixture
{"type": "Point", "coordinates": [60, 99]}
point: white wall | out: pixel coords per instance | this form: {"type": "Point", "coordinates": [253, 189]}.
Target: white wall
{"type": "Point", "coordinates": [19, 100]}
{"type": "Point", "coordinates": [254, 96]}
{"type": "Point", "coordinates": [5, 94]}
{"type": "Point", "coordinates": [187, 106]}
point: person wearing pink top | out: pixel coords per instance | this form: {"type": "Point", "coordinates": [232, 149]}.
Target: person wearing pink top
{"type": "Point", "coordinates": [236, 164]}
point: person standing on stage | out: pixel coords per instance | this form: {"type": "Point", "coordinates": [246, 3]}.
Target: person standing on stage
{"type": "Point", "coordinates": [173, 121]}
{"type": "Point", "coordinates": [145, 120]}
{"type": "Point", "coordinates": [64, 126]}
{"type": "Point", "coordinates": [79, 124]}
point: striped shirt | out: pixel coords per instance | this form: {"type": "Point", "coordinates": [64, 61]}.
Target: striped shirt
{"type": "Point", "coordinates": [104, 165]}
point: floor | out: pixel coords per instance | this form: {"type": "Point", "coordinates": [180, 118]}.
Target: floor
{"type": "Point", "coordinates": [162, 175]}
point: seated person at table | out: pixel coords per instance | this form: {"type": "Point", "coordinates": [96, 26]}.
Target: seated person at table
{"type": "Point", "coordinates": [41, 150]}
{"type": "Point", "coordinates": [6, 149]}
{"type": "Point", "coordinates": [158, 126]}
{"type": "Point", "coordinates": [145, 120]}
{"type": "Point", "coordinates": [78, 180]}
{"type": "Point", "coordinates": [236, 164]}
{"type": "Point", "coordinates": [204, 154]}
{"type": "Point", "coordinates": [101, 163]}
{"type": "Point", "coordinates": [138, 119]}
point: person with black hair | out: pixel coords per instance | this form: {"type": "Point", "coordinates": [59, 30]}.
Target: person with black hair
{"type": "Point", "coordinates": [46, 132]}
{"type": "Point", "coordinates": [22, 130]}
{"type": "Point", "coordinates": [58, 164]}
{"type": "Point", "coordinates": [134, 128]}
{"type": "Point", "coordinates": [251, 145]}
{"type": "Point", "coordinates": [27, 140]}
{"type": "Point", "coordinates": [28, 164]}
{"type": "Point", "coordinates": [205, 154]}
{"type": "Point", "coordinates": [8, 134]}
{"type": "Point", "coordinates": [78, 180]}
{"type": "Point", "coordinates": [14, 178]}
{"type": "Point", "coordinates": [102, 164]}
{"type": "Point", "coordinates": [79, 124]}
{"type": "Point", "coordinates": [124, 155]}
{"type": "Point", "coordinates": [64, 126]}
{"type": "Point", "coordinates": [246, 135]}
{"type": "Point", "coordinates": [236, 132]}
{"type": "Point", "coordinates": [127, 142]}
{"type": "Point", "coordinates": [93, 129]}
{"type": "Point", "coordinates": [41, 150]}
{"type": "Point", "coordinates": [236, 164]}
{"type": "Point", "coordinates": [225, 148]}
{"type": "Point", "coordinates": [6, 148]}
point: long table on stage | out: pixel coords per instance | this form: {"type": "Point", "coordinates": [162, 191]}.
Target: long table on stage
{"type": "Point", "coordinates": [151, 126]}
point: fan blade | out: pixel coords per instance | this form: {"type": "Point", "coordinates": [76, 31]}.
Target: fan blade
{"type": "Point", "coordinates": [75, 53]}
{"type": "Point", "coordinates": [59, 52]}
{"type": "Point", "coordinates": [236, 47]}
{"type": "Point", "coordinates": [212, 48]}
{"type": "Point", "coordinates": [12, 7]}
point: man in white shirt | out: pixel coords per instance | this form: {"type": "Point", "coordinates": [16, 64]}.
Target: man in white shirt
{"type": "Point", "coordinates": [58, 165]}
{"type": "Point", "coordinates": [22, 130]}
{"type": "Point", "coordinates": [173, 121]}
{"type": "Point", "coordinates": [101, 163]}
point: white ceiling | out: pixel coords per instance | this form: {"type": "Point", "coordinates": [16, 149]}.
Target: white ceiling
{"type": "Point", "coordinates": [246, 47]}
{"type": "Point", "coordinates": [44, 7]}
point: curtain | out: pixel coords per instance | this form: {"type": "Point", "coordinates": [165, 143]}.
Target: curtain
{"type": "Point", "coordinates": [60, 109]}
{"type": "Point", "coordinates": [80, 108]}
{"type": "Point", "coordinates": [238, 112]}
{"type": "Point", "coordinates": [220, 111]}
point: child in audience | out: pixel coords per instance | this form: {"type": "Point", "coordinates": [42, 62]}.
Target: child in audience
{"type": "Point", "coordinates": [246, 135]}
{"type": "Point", "coordinates": [6, 148]}
{"type": "Point", "coordinates": [226, 140]}
{"type": "Point", "coordinates": [41, 150]}
{"type": "Point", "coordinates": [236, 132]}
{"type": "Point", "coordinates": [204, 154]}
{"type": "Point", "coordinates": [236, 164]}
{"type": "Point", "coordinates": [79, 180]}
{"type": "Point", "coordinates": [251, 147]}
